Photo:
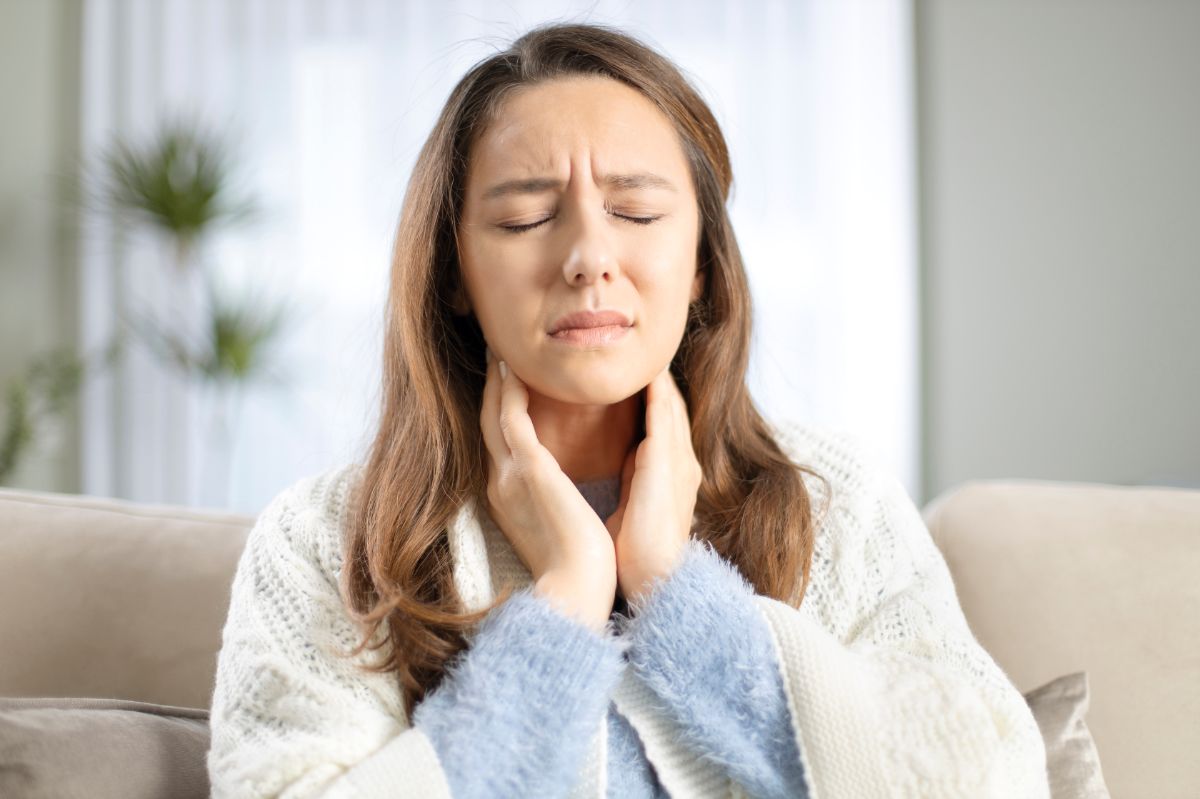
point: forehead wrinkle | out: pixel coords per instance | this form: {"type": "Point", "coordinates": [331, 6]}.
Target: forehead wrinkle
{"type": "Point", "coordinates": [528, 152]}
{"type": "Point", "coordinates": [537, 185]}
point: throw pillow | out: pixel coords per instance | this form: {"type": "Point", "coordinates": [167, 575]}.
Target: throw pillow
{"type": "Point", "coordinates": [1072, 761]}
{"type": "Point", "coordinates": [101, 748]}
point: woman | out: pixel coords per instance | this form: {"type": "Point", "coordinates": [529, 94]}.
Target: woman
{"type": "Point", "coordinates": [588, 566]}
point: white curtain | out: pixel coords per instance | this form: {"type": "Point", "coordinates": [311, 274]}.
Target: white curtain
{"type": "Point", "coordinates": [327, 103]}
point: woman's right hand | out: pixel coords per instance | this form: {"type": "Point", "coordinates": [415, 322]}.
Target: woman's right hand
{"type": "Point", "coordinates": [554, 531]}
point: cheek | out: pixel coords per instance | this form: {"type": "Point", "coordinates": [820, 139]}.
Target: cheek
{"type": "Point", "coordinates": [670, 258]}
{"type": "Point", "coordinates": [665, 284]}
{"type": "Point", "coordinates": [664, 296]}
{"type": "Point", "coordinates": [503, 295]}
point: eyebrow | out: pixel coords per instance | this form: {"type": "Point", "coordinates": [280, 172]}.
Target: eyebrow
{"type": "Point", "coordinates": [638, 180]}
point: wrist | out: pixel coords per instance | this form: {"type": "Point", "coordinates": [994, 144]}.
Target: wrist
{"type": "Point", "coordinates": [583, 598]}
{"type": "Point", "coordinates": [640, 579]}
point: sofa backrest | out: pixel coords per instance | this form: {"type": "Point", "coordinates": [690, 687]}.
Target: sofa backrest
{"type": "Point", "coordinates": [1058, 577]}
{"type": "Point", "coordinates": [105, 598]}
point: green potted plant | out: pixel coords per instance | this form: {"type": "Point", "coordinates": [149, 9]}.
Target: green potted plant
{"type": "Point", "coordinates": [36, 399]}
{"type": "Point", "coordinates": [180, 184]}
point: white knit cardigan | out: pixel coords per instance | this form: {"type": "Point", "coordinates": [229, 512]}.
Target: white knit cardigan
{"type": "Point", "coordinates": [890, 693]}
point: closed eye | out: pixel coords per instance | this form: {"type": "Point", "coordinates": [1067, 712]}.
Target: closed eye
{"type": "Point", "coordinates": [637, 220]}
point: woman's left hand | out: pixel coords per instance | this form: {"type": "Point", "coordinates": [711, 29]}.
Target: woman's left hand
{"type": "Point", "coordinates": [659, 481]}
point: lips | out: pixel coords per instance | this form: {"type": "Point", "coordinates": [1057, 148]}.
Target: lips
{"type": "Point", "coordinates": [590, 319]}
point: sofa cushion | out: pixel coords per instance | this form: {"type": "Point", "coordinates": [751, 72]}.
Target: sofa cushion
{"type": "Point", "coordinates": [1071, 757]}
{"type": "Point", "coordinates": [1059, 577]}
{"type": "Point", "coordinates": [101, 749]}
{"type": "Point", "coordinates": [110, 598]}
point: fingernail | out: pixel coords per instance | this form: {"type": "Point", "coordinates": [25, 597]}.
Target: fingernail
{"type": "Point", "coordinates": [503, 369]}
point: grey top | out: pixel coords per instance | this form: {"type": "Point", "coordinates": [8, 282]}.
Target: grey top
{"type": "Point", "coordinates": [604, 495]}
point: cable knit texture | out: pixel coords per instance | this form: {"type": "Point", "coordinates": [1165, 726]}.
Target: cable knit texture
{"type": "Point", "coordinates": [888, 693]}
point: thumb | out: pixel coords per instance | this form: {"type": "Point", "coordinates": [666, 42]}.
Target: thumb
{"type": "Point", "coordinates": [613, 522]}
{"type": "Point", "coordinates": [627, 471]}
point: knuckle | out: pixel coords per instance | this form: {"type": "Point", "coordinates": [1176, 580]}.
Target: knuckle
{"type": "Point", "coordinates": [507, 425]}
{"type": "Point", "coordinates": [503, 488]}
{"type": "Point", "coordinates": [504, 481]}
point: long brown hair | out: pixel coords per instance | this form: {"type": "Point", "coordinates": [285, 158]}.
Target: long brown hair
{"type": "Point", "coordinates": [428, 456]}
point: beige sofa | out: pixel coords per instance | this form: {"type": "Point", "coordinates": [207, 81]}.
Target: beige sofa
{"type": "Point", "coordinates": [110, 599]}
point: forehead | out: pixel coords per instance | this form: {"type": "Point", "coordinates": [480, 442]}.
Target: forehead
{"type": "Point", "coordinates": [543, 128]}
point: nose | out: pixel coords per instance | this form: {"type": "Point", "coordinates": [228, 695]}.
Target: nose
{"type": "Point", "coordinates": [591, 256]}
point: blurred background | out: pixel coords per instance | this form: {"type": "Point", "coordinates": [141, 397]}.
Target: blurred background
{"type": "Point", "coordinates": [972, 229]}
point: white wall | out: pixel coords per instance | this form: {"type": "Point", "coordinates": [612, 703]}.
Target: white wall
{"type": "Point", "coordinates": [1060, 165]}
{"type": "Point", "coordinates": [38, 103]}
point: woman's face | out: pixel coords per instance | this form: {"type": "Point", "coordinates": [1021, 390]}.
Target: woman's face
{"type": "Point", "coordinates": [575, 161]}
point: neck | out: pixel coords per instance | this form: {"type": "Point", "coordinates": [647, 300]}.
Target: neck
{"type": "Point", "coordinates": [588, 441]}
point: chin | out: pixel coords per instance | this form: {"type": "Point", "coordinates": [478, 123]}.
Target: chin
{"type": "Point", "coordinates": [592, 387]}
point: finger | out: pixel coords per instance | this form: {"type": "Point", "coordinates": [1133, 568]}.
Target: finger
{"type": "Point", "coordinates": [658, 408]}
{"type": "Point", "coordinates": [515, 424]}
{"type": "Point", "coordinates": [684, 416]}
{"type": "Point", "coordinates": [684, 441]}
{"type": "Point", "coordinates": [670, 394]}
{"type": "Point", "coordinates": [675, 414]}
{"type": "Point", "coordinates": [683, 420]}
{"type": "Point", "coordinates": [677, 395]}
{"type": "Point", "coordinates": [627, 470]}
{"type": "Point", "coordinates": [489, 417]}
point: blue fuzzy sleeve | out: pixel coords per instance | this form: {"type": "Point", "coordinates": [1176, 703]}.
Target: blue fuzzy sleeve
{"type": "Point", "coordinates": [699, 643]}
{"type": "Point", "coordinates": [516, 713]}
